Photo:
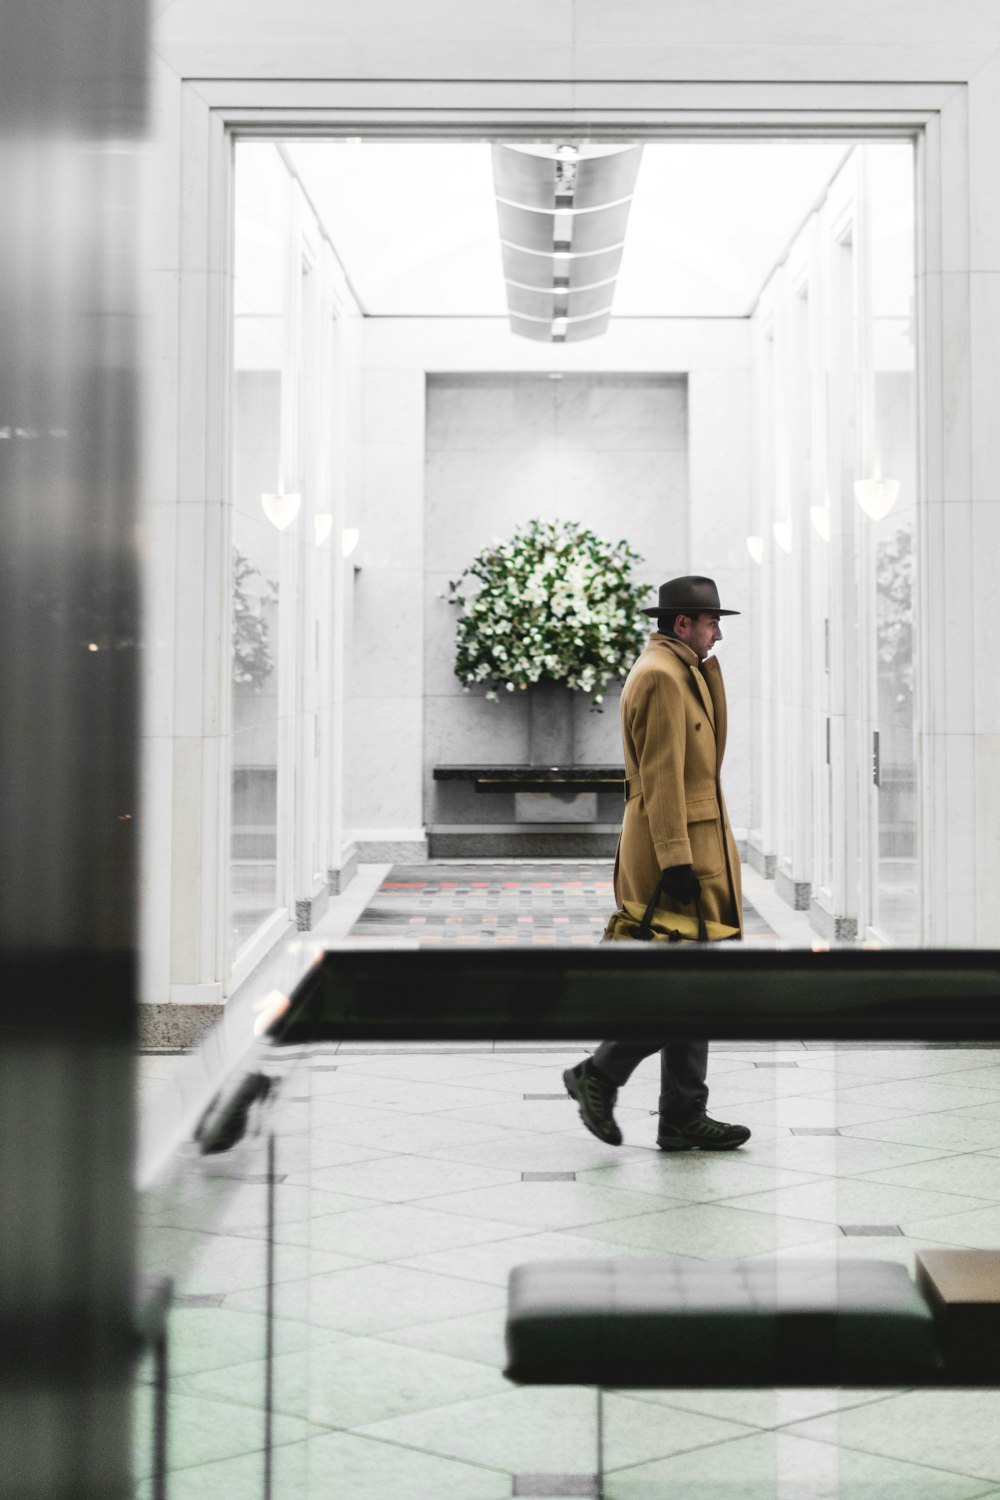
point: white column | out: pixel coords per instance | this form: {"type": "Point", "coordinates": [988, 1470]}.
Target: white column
{"type": "Point", "coordinates": [186, 536]}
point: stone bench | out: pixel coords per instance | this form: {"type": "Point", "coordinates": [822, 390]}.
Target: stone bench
{"type": "Point", "coordinates": [662, 1323]}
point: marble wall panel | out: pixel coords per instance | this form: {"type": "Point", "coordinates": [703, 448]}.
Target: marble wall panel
{"type": "Point", "coordinates": [383, 770]}
{"type": "Point", "coordinates": [160, 566]}
{"type": "Point", "coordinates": [985, 354]}
{"type": "Point", "coordinates": [988, 848]}
{"type": "Point", "coordinates": [488, 413]}
{"type": "Point", "coordinates": [631, 415]}
{"type": "Point", "coordinates": [187, 890]}
{"type": "Point", "coordinates": [640, 495]}
{"type": "Point", "coordinates": [441, 623]}
{"type": "Point", "coordinates": [983, 95]}
{"type": "Point", "coordinates": [947, 537]}
{"type": "Point", "coordinates": [949, 832]}
{"type": "Point", "coordinates": [392, 511]}
{"type": "Point", "coordinates": [607, 450]}
{"type": "Point", "coordinates": [387, 654]}
{"type": "Point", "coordinates": [455, 731]}
{"type": "Point", "coordinates": [956, 366]}
{"type": "Point", "coordinates": [472, 496]}
{"type": "Point", "coordinates": [984, 639]}
{"type": "Point", "coordinates": [597, 736]}
{"type": "Point", "coordinates": [393, 406]}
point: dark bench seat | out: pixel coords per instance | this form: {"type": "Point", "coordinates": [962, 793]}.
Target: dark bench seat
{"type": "Point", "coordinates": [562, 779]}
{"type": "Point", "coordinates": [664, 1323]}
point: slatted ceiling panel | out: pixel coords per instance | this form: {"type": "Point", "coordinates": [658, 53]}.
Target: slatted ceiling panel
{"type": "Point", "coordinates": [540, 330]}
{"type": "Point", "coordinates": [599, 228]}
{"type": "Point", "coordinates": [551, 201]}
{"type": "Point", "coordinates": [595, 268]}
{"type": "Point", "coordinates": [540, 302]}
{"type": "Point", "coordinates": [532, 180]}
{"type": "Point", "coordinates": [533, 302]}
{"type": "Point", "coordinates": [587, 328]}
{"type": "Point", "coordinates": [526, 228]}
{"type": "Point", "coordinates": [531, 229]}
{"type": "Point", "coordinates": [606, 179]}
{"type": "Point", "coordinates": [530, 302]}
{"type": "Point", "coordinates": [526, 268]}
{"type": "Point", "coordinates": [519, 177]}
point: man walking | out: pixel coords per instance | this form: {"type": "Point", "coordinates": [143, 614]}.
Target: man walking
{"type": "Point", "coordinates": [673, 718]}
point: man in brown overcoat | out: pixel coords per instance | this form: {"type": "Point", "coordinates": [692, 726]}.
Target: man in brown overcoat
{"type": "Point", "coordinates": [675, 830]}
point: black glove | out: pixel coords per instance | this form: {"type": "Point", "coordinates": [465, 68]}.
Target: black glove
{"type": "Point", "coordinates": [681, 883]}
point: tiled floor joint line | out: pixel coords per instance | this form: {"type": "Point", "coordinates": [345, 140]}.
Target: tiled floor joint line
{"type": "Point", "coordinates": [879, 1231]}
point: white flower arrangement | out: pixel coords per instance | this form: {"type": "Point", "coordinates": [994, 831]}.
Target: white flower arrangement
{"type": "Point", "coordinates": [554, 603]}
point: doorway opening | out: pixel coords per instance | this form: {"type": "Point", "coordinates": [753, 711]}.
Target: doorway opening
{"type": "Point", "coordinates": [750, 413]}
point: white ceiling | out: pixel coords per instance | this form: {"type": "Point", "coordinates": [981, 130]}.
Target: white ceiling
{"type": "Point", "coordinates": [415, 225]}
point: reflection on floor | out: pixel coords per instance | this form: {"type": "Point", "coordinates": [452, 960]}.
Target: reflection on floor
{"type": "Point", "coordinates": [410, 1179]}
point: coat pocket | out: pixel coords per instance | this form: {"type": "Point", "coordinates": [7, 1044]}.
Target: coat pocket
{"type": "Point", "coordinates": [707, 854]}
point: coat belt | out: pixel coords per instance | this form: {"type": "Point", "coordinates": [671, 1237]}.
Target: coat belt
{"type": "Point", "coordinates": [632, 788]}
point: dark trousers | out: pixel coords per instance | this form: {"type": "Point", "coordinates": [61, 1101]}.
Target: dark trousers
{"type": "Point", "coordinates": [683, 1065]}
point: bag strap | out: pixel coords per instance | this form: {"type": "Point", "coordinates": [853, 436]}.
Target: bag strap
{"type": "Point", "coordinates": [644, 932]}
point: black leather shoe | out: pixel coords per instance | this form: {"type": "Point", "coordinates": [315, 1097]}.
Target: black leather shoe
{"type": "Point", "coordinates": [700, 1133]}
{"type": "Point", "coordinates": [596, 1097]}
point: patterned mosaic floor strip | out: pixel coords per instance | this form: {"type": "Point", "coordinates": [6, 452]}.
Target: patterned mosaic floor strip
{"type": "Point", "coordinates": [549, 903]}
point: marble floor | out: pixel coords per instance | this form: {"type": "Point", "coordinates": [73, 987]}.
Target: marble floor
{"type": "Point", "coordinates": [409, 1181]}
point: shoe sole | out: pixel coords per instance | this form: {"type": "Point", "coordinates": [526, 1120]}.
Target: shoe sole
{"type": "Point", "coordinates": [570, 1083]}
{"type": "Point", "coordinates": [699, 1145]}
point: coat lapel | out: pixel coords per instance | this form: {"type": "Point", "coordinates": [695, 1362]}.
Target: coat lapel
{"type": "Point", "coordinates": [690, 659]}
{"type": "Point", "coordinates": [711, 676]}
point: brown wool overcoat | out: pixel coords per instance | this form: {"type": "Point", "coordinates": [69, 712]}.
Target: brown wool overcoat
{"type": "Point", "coordinates": [673, 717]}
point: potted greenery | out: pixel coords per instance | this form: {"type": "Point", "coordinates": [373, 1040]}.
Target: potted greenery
{"type": "Point", "coordinates": [554, 604]}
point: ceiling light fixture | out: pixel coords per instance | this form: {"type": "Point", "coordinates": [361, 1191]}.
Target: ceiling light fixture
{"type": "Point", "coordinates": [559, 207]}
{"type": "Point", "coordinates": [783, 535]}
{"type": "Point", "coordinates": [281, 509]}
{"type": "Point", "coordinates": [876, 496]}
{"type": "Point", "coordinates": [819, 515]}
{"type": "Point", "coordinates": [323, 525]}
{"type": "Point", "coordinates": [755, 547]}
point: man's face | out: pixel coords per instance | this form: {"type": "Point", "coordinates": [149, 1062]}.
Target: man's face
{"type": "Point", "coordinates": [701, 632]}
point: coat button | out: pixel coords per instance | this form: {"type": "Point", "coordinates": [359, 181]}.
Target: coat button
{"type": "Point", "coordinates": [698, 725]}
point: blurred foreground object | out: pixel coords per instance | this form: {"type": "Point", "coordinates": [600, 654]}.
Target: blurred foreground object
{"type": "Point", "coordinates": [72, 118]}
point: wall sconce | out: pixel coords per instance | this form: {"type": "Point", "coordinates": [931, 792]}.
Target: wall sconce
{"type": "Point", "coordinates": [281, 510]}
{"type": "Point", "coordinates": [755, 547]}
{"type": "Point", "coordinates": [323, 524]}
{"type": "Point", "coordinates": [819, 515]}
{"type": "Point", "coordinates": [349, 540]}
{"type": "Point", "coordinates": [783, 535]}
{"type": "Point", "coordinates": [876, 496]}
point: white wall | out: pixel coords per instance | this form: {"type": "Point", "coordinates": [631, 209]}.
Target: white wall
{"type": "Point", "coordinates": [461, 66]}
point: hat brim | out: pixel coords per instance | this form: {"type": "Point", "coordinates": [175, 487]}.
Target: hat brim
{"type": "Point", "coordinates": [692, 609]}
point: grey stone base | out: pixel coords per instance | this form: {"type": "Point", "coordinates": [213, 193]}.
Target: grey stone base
{"type": "Point", "coordinates": [555, 807]}
{"type": "Point", "coordinates": [392, 852]}
{"type": "Point", "coordinates": [797, 893]}
{"type": "Point", "coordinates": [173, 1028]}
{"type": "Point", "coordinates": [764, 864]}
{"type": "Point", "coordinates": [831, 928]}
{"type": "Point", "coordinates": [310, 910]}
{"type": "Point", "coordinates": [566, 843]}
{"type": "Point", "coordinates": [339, 880]}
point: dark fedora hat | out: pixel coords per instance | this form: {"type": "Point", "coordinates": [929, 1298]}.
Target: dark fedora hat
{"type": "Point", "coordinates": [689, 596]}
